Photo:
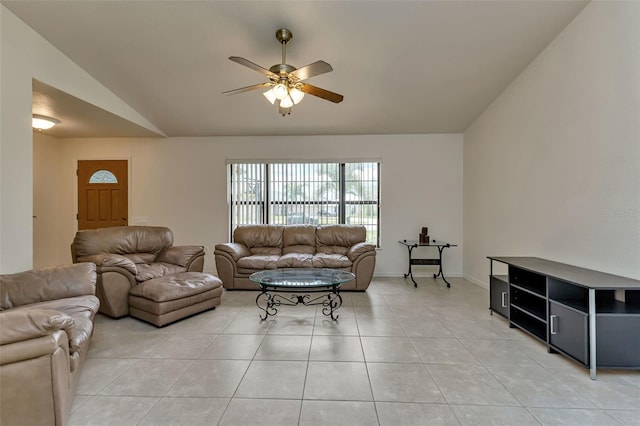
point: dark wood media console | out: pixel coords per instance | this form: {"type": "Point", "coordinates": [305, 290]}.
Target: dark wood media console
{"type": "Point", "coordinates": [589, 316]}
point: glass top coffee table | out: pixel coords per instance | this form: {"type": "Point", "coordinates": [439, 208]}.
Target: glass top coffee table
{"type": "Point", "coordinates": [297, 281]}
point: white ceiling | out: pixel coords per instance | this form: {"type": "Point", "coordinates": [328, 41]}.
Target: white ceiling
{"type": "Point", "coordinates": [80, 119]}
{"type": "Point", "coordinates": [404, 67]}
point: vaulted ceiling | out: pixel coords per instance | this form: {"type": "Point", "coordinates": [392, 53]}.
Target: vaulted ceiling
{"type": "Point", "coordinates": [404, 67]}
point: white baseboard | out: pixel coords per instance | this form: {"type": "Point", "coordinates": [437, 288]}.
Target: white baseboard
{"type": "Point", "coordinates": [477, 281]}
{"type": "Point", "coordinates": [422, 275]}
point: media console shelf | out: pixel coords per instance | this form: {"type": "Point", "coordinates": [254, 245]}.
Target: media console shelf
{"type": "Point", "coordinates": [589, 316]}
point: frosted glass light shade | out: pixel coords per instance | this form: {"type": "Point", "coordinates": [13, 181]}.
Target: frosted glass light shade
{"type": "Point", "coordinates": [41, 122]}
{"type": "Point", "coordinates": [280, 90]}
{"type": "Point", "coordinates": [271, 97]}
{"type": "Point", "coordinates": [296, 95]}
{"type": "Point", "coordinates": [286, 102]}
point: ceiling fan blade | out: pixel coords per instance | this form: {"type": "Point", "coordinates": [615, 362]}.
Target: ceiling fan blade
{"type": "Point", "coordinates": [247, 63]}
{"type": "Point", "coordinates": [321, 93]}
{"type": "Point", "coordinates": [248, 88]}
{"type": "Point", "coordinates": [311, 70]}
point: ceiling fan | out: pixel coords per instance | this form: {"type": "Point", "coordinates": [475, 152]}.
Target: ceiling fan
{"type": "Point", "coordinates": [286, 83]}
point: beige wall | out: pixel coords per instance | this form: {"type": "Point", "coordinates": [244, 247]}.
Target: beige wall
{"type": "Point", "coordinates": [552, 167]}
{"type": "Point", "coordinates": [46, 184]}
{"type": "Point", "coordinates": [25, 55]}
{"type": "Point", "coordinates": [181, 183]}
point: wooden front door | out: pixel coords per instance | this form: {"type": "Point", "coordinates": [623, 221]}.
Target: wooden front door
{"type": "Point", "coordinates": [102, 193]}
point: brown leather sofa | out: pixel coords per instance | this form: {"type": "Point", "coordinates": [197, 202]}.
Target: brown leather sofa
{"type": "Point", "coordinates": [46, 324]}
{"type": "Point", "coordinates": [260, 247]}
{"type": "Point", "coordinates": [128, 255]}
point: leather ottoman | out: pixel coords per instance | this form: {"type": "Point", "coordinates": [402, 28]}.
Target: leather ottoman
{"type": "Point", "coordinates": [161, 301]}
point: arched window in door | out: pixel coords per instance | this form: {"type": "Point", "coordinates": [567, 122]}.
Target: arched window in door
{"type": "Point", "coordinates": [103, 176]}
{"type": "Point", "coordinates": [102, 193]}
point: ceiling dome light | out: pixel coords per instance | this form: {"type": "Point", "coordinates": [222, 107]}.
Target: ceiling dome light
{"type": "Point", "coordinates": [41, 122]}
{"type": "Point", "coordinates": [296, 95]}
{"type": "Point", "coordinates": [286, 102]}
{"type": "Point", "coordinates": [271, 97]}
{"type": "Point", "coordinates": [280, 90]}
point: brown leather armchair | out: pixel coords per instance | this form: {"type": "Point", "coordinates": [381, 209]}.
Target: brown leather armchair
{"type": "Point", "coordinates": [128, 255]}
{"type": "Point", "coordinates": [46, 324]}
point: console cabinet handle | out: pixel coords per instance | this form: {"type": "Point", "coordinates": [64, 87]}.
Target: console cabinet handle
{"type": "Point", "coordinates": [504, 299]}
{"type": "Point", "coordinates": [552, 325]}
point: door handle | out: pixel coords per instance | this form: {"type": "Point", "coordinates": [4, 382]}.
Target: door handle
{"type": "Point", "coordinates": [552, 324]}
{"type": "Point", "coordinates": [504, 299]}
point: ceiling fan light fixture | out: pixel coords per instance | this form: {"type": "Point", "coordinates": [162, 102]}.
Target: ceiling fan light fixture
{"type": "Point", "coordinates": [42, 122]}
{"type": "Point", "coordinates": [280, 91]}
{"type": "Point", "coordinates": [286, 102]}
{"type": "Point", "coordinates": [284, 111]}
{"type": "Point", "coordinates": [296, 95]}
{"type": "Point", "coordinates": [285, 81]}
{"type": "Point", "coordinates": [271, 97]}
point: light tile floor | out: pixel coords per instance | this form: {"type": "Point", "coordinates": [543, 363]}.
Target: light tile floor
{"type": "Point", "coordinates": [397, 355]}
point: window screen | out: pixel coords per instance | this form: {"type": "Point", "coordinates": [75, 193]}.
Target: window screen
{"type": "Point", "coordinates": [306, 193]}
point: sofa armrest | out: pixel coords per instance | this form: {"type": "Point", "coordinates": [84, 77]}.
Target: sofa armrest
{"type": "Point", "coordinates": [359, 249]}
{"type": "Point", "coordinates": [235, 250]}
{"type": "Point", "coordinates": [26, 324]}
{"type": "Point", "coordinates": [109, 259]}
{"type": "Point", "coordinates": [179, 255]}
{"type": "Point", "coordinates": [38, 373]}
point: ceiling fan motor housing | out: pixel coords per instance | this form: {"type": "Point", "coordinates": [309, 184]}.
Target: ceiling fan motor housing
{"type": "Point", "coordinates": [282, 68]}
{"type": "Point", "coordinates": [284, 35]}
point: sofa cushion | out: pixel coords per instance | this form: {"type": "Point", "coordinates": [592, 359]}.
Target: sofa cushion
{"type": "Point", "coordinates": [148, 271]}
{"type": "Point", "coordinates": [295, 260]}
{"type": "Point", "coordinates": [337, 239]}
{"type": "Point", "coordinates": [53, 283]}
{"type": "Point", "coordinates": [75, 307]}
{"type": "Point", "coordinates": [327, 260]}
{"type": "Point", "coordinates": [140, 257]}
{"type": "Point", "coordinates": [299, 239]}
{"type": "Point", "coordinates": [177, 286]}
{"type": "Point", "coordinates": [258, 262]}
{"type": "Point", "coordinates": [122, 240]}
{"type": "Point", "coordinates": [260, 239]}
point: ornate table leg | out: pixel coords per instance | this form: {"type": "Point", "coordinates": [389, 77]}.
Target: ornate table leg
{"type": "Point", "coordinates": [271, 304]}
{"type": "Point", "coordinates": [333, 302]}
{"type": "Point", "coordinates": [269, 301]}
{"type": "Point", "coordinates": [440, 273]}
{"type": "Point", "coordinates": [410, 272]}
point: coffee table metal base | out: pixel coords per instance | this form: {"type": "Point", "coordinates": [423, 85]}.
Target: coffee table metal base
{"type": "Point", "coordinates": [270, 299]}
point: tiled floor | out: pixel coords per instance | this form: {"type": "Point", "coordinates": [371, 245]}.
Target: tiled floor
{"type": "Point", "coordinates": [396, 356]}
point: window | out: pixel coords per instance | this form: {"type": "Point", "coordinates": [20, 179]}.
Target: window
{"type": "Point", "coordinates": [306, 193]}
{"type": "Point", "coordinates": [103, 176]}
